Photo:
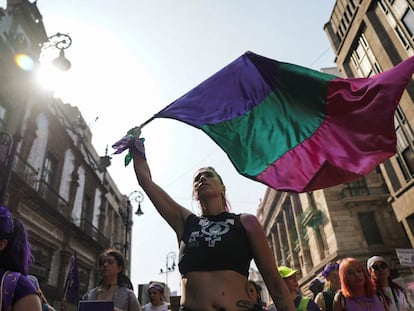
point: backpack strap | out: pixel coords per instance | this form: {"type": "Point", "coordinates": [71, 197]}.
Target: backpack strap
{"type": "Point", "coordinates": [342, 301]}
{"type": "Point", "coordinates": [7, 287]}
{"type": "Point", "coordinates": [328, 300]}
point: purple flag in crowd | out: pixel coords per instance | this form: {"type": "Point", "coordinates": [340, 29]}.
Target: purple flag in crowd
{"type": "Point", "coordinates": [72, 281]}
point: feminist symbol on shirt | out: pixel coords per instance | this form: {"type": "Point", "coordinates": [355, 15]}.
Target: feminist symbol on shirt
{"type": "Point", "coordinates": [213, 230]}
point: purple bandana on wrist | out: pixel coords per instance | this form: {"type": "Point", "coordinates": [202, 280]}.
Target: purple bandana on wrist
{"type": "Point", "coordinates": [127, 142]}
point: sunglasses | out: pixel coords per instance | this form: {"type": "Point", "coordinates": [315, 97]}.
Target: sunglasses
{"type": "Point", "coordinates": [383, 266]}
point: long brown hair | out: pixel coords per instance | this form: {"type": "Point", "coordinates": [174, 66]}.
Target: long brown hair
{"type": "Point", "coordinates": [123, 280]}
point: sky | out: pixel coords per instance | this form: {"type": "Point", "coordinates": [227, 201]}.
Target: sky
{"type": "Point", "coordinates": [131, 58]}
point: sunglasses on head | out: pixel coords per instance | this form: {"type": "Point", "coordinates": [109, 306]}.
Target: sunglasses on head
{"type": "Point", "coordinates": [382, 265]}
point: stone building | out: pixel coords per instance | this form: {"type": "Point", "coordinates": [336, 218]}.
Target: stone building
{"type": "Point", "coordinates": [51, 176]}
{"type": "Point", "coordinates": [373, 215]}
{"type": "Point", "coordinates": [369, 37]}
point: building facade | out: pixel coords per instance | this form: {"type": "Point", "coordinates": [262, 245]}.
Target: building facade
{"type": "Point", "coordinates": [51, 176]}
{"type": "Point", "coordinates": [369, 37]}
{"type": "Point", "coordinates": [373, 215]}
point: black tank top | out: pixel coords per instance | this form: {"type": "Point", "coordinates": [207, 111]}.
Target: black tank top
{"type": "Point", "coordinates": [212, 243]}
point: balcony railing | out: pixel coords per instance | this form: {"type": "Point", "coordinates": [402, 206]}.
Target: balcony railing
{"type": "Point", "coordinates": [363, 194]}
{"type": "Point", "coordinates": [31, 178]}
{"type": "Point", "coordinates": [26, 172]}
{"type": "Point", "coordinates": [47, 193]}
{"type": "Point", "coordinates": [93, 232]}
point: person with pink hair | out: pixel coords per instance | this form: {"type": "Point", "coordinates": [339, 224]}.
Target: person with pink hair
{"type": "Point", "coordinates": [357, 292]}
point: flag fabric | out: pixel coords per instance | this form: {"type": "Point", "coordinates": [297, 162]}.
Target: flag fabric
{"type": "Point", "coordinates": [72, 281]}
{"type": "Point", "coordinates": [294, 128]}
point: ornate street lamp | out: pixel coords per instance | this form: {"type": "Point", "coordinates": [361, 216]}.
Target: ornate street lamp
{"type": "Point", "coordinates": [137, 196]}
{"type": "Point", "coordinates": [169, 265]}
{"type": "Point", "coordinates": [125, 212]}
{"type": "Point", "coordinates": [61, 42]}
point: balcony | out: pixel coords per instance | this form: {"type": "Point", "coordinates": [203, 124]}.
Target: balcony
{"type": "Point", "coordinates": [354, 195]}
{"type": "Point", "coordinates": [27, 177]}
{"type": "Point", "coordinates": [93, 232]}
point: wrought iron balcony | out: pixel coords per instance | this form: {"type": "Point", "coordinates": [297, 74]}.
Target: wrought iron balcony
{"type": "Point", "coordinates": [28, 176]}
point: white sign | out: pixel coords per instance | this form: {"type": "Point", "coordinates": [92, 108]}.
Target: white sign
{"type": "Point", "coordinates": [405, 256]}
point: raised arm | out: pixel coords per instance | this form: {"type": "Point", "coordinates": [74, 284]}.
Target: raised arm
{"type": "Point", "coordinates": [170, 210]}
{"type": "Point", "coordinates": [266, 264]}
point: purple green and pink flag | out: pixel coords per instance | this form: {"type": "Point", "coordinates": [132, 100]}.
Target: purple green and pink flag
{"type": "Point", "coordinates": [294, 128]}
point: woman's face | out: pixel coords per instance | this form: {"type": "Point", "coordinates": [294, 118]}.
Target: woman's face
{"type": "Point", "coordinates": [355, 275]}
{"type": "Point", "coordinates": [155, 296]}
{"type": "Point", "coordinates": [333, 279]}
{"type": "Point", "coordinates": [206, 182]}
{"type": "Point", "coordinates": [380, 271]}
{"type": "Point", "coordinates": [109, 266]}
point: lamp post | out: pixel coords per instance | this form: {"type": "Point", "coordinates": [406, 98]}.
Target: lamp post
{"type": "Point", "coordinates": [134, 196]}
{"type": "Point", "coordinates": [138, 197]}
{"type": "Point", "coordinates": [169, 265]}
{"type": "Point", "coordinates": [61, 42]}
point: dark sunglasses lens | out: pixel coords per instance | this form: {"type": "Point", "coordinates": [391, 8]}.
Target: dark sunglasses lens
{"type": "Point", "coordinates": [382, 266]}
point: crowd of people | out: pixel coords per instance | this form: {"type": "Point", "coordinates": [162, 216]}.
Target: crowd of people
{"type": "Point", "coordinates": [216, 248]}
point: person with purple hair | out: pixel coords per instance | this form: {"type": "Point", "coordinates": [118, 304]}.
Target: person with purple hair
{"type": "Point", "coordinates": [18, 292]}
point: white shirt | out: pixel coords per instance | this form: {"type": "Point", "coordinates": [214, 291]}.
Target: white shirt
{"type": "Point", "coordinates": [150, 307]}
{"type": "Point", "coordinates": [401, 305]}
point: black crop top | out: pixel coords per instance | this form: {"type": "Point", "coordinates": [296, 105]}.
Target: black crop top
{"type": "Point", "coordinates": [212, 243]}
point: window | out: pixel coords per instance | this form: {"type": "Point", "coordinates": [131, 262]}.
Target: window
{"type": "Point", "coordinates": [364, 59]}
{"type": "Point", "coordinates": [383, 6]}
{"type": "Point", "coordinates": [408, 21]}
{"type": "Point", "coordinates": [410, 222]}
{"type": "Point", "coordinates": [49, 169]}
{"type": "Point", "coordinates": [392, 175]}
{"type": "Point", "coordinates": [2, 116]}
{"type": "Point", "coordinates": [357, 188]}
{"type": "Point", "coordinates": [405, 137]}
{"type": "Point", "coordinates": [402, 37]}
{"type": "Point", "coordinates": [370, 228]}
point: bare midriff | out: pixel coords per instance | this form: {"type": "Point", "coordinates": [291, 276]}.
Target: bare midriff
{"type": "Point", "coordinates": [215, 290]}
